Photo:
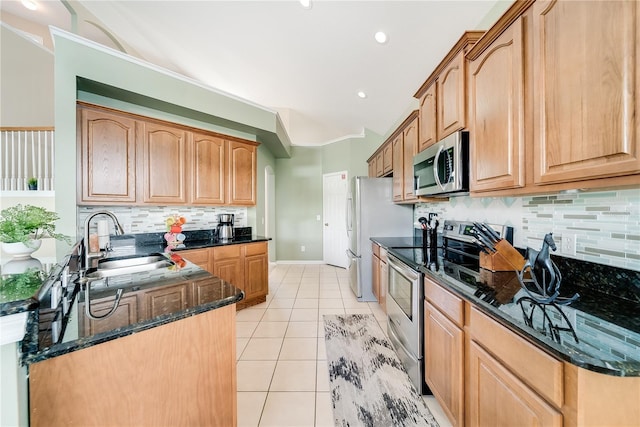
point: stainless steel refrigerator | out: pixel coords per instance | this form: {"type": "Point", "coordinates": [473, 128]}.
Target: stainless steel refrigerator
{"type": "Point", "coordinates": [371, 213]}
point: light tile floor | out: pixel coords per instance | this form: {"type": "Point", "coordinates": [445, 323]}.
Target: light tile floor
{"type": "Point", "coordinates": [282, 369]}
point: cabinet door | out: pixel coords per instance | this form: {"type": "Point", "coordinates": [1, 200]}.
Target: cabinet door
{"type": "Point", "coordinates": [164, 151]}
{"type": "Point", "coordinates": [587, 89]}
{"type": "Point", "coordinates": [398, 168]}
{"type": "Point", "coordinates": [124, 315]}
{"type": "Point", "coordinates": [256, 270]}
{"type": "Point", "coordinates": [167, 300]}
{"type": "Point", "coordinates": [379, 164]}
{"type": "Point", "coordinates": [428, 118]}
{"type": "Point", "coordinates": [227, 264]}
{"type": "Point", "coordinates": [384, 279]}
{"type": "Point", "coordinates": [207, 171]}
{"type": "Point", "coordinates": [496, 113]}
{"type": "Point", "coordinates": [242, 174]}
{"type": "Point", "coordinates": [108, 156]}
{"type": "Point", "coordinates": [387, 158]}
{"type": "Point", "coordinates": [451, 108]}
{"type": "Point", "coordinates": [372, 168]}
{"type": "Point", "coordinates": [200, 257]}
{"type": "Point", "coordinates": [410, 150]}
{"type": "Point", "coordinates": [444, 362]}
{"type": "Point", "coordinates": [498, 398]}
{"type": "Point", "coordinates": [375, 276]}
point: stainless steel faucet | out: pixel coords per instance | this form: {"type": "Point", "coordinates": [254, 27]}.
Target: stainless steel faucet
{"type": "Point", "coordinates": [87, 254]}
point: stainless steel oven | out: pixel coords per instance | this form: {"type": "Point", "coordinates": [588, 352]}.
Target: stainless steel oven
{"type": "Point", "coordinates": [405, 318]}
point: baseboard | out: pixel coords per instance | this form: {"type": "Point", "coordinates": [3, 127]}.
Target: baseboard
{"type": "Point", "coordinates": [299, 262]}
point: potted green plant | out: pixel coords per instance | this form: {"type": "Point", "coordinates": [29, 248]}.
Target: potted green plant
{"type": "Point", "coordinates": [22, 227]}
{"type": "Point", "coordinates": [32, 183]}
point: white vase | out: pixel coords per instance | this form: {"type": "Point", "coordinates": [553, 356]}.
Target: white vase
{"type": "Point", "coordinates": [20, 250]}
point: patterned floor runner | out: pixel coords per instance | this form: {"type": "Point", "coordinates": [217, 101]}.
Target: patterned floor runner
{"type": "Point", "coordinates": [369, 385]}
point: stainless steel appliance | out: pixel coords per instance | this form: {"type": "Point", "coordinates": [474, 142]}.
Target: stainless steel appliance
{"type": "Point", "coordinates": [371, 213]}
{"type": "Point", "coordinates": [405, 324]}
{"type": "Point", "coordinates": [443, 168]}
{"type": "Point", "coordinates": [225, 226]}
{"type": "Point", "coordinates": [405, 298]}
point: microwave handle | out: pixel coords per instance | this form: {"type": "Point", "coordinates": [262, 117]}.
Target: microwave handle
{"type": "Point", "coordinates": [435, 166]}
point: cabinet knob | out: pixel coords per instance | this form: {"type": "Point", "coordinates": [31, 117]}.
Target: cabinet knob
{"type": "Point", "coordinates": [326, 224]}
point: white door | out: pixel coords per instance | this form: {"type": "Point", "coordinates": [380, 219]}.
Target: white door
{"type": "Point", "coordinates": [334, 210]}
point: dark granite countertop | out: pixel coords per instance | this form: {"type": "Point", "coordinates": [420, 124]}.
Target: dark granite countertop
{"type": "Point", "coordinates": [71, 326]}
{"type": "Point", "coordinates": [607, 328]}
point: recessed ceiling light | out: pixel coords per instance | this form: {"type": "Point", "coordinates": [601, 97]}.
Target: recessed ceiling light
{"type": "Point", "coordinates": [381, 37]}
{"type": "Point", "coordinates": [362, 95]}
{"type": "Point", "coordinates": [30, 4]}
{"type": "Point", "coordinates": [306, 4]}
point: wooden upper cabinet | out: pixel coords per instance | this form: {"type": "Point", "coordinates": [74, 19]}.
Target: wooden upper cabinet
{"type": "Point", "coordinates": [242, 173]}
{"type": "Point", "coordinates": [496, 106]}
{"type": "Point", "coordinates": [398, 168]}
{"type": "Point", "coordinates": [428, 119]}
{"type": "Point", "coordinates": [372, 168]}
{"type": "Point", "coordinates": [451, 108]}
{"type": "Point", "coordinates": [443, 96]}
{"type": "Point", "coordinates": [387, 158]}
{"type": "Point", "coordinates": [379, 164]}
{"type": "Point", "coordinates": [586, 89]}
{"type": "Point", "coordinates": [410, 148]}
{"type": "Point", "coordinates": [207, 171]}
{"type": "Point", "coordinates": [164, 151]}
{"type": "Point", "coordinates": [108, 157]}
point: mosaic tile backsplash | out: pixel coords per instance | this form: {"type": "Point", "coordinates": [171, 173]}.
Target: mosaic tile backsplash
{"type": "Point", "coordinates": [606, 224]}
{"type": "Point", "coordinates": [139, 219]}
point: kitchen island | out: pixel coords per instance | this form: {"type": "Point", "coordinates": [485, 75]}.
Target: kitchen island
{"type": "Point", "coordinates": [164, 355]}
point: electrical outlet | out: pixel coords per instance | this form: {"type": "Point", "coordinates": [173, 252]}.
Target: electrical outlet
{"type": "Point", "coordinates": [302, 248]}
{"type": "Point", "coordinates": [568, 244]}
{"type": "Point", "coordinates": [127, 228]}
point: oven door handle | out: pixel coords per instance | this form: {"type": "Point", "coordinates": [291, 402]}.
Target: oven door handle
{"type": "Point", "coordinates": [402, 268]}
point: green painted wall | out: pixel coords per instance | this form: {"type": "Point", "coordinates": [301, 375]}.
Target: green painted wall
{"type": "Point", "coordinates": [298, 201]}
{"type": "Point", "coordinates": [299, 192]}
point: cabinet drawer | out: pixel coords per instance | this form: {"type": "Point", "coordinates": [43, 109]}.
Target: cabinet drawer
{"type": "Point", "coordinates": [223, 252]}
{"type": "Point", "coordinates": [536, 368]}
{"type": "Point", "coordinates": [445, 301]}
{"type": "Point", "coordinates": [196, 256]}
{"type": "Point", "coordinates": [256, 249]}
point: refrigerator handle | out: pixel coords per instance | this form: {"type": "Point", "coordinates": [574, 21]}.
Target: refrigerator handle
{"type": "Point", "coordinates": [349, 214]}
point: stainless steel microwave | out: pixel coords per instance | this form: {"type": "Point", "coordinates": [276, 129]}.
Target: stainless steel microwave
{"type": "Point", "coordinates": [443, 168]}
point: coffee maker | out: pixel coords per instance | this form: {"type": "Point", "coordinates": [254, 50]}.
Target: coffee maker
{"type": "Point", "coordinates": [225, 226]}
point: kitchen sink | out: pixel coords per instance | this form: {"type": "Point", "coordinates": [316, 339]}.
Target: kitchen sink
{"type": "Point", "coordinates": [127, 265]}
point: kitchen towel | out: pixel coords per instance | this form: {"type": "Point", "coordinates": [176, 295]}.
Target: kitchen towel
{"type": "Point", "coordinates": [369, 385]}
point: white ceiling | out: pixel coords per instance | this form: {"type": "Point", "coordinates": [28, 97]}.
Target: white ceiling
{"type": "Point", "coordinates": [306, 64]}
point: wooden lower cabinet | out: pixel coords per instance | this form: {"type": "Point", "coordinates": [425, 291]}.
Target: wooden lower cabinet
{"type": "Point", "coordinates": [375, 270]}
{"type": "Point", "coordinates": [256, 271]}
{"type": "Point", "coordinates": [180, 373]}
{"type": "Point", "coordinates": [444, 362]}
{"type": "Point", "coordinates": [200, 257]}
{"type": "Point", "coordinates": [498, 398]}
{"type": "Point", "coordinates": [384, 279]}
{"type": "Point", "coordinates": [444, 349]}
{"type": "Point", "coordinates": [125, 314]}
{"type": "Point", "coordinates": [245, 266]}
{"type": "Point", "coordinates": [165, 300]}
